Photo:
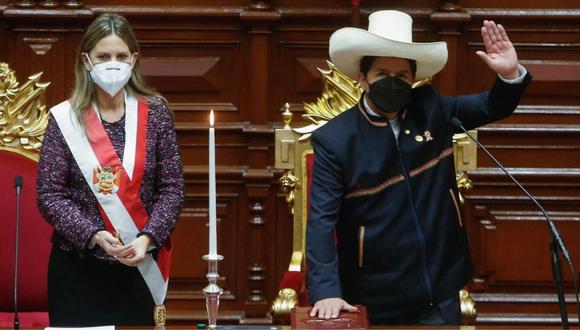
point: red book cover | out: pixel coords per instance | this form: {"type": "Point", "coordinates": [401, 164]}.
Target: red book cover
{"type": "Point", "coordinates": [301, 319]}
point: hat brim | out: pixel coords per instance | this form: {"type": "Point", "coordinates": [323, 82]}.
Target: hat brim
{"type": "Point", "coordinates": [347, 46]}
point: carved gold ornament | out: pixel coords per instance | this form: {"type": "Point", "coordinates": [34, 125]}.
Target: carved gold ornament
{"type": "Point", "coordinates": [468, 307]}
{"type": "Point", "coordinates": [285, 301]}
{"type": "Point", "coordinates": [289, 183]}
{"type": "Point", "coordinates": [339, 93]}
{"type": "Point", "coordinates": [23, 113]}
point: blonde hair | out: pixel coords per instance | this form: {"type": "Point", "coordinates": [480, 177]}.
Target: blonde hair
{"type": "Point", "coordinates": [85, 89]}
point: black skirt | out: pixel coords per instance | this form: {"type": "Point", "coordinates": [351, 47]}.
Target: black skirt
{"type": "Point", "coordinates": [91, 292]}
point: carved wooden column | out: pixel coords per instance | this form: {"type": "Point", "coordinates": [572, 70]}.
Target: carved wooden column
{"type": "Point", "coordinates": [449, 22]}
{"type": "Point", "coordinates": [257, 268]}
{"type": "Point", "coordinates": [255, 240]}
{"type": "Point", "coordinates": [258, 177]}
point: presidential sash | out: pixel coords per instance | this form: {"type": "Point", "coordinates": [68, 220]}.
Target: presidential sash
{"type": "Point", "coordinates": [116, 185]}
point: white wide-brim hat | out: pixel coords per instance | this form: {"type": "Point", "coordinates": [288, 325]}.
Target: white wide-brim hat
{"type": "Point", "coordinates": [389, 35]}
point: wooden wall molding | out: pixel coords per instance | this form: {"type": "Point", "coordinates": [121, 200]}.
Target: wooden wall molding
{"type": "Point", "coordinates": [130, 11]}
{"type": "Point", "coordinates": [548, 110]}
{"type": "Point", "coordinates": [527, 129]}
{"type": "Point", "coordinates": [557, 216]}
{"type": "Point", "coordinates": [530, 175]}
{"type": "Point", "coordinates": [511, 261]}
{"type": "Point", "coordinates": [182, 68]}
{"type": "Point", "coordinates": [297, 12]}
{"type": "Point", "coordinates": [184, 107]}
{"type": "Point", "coordinates": [244, 59]}
{"type": "Point", "coordinates": [554, 70]}
{"type": "Point", "coordinates": [40, 46]}
{"type": "Point", "coordinates": [557, 14]}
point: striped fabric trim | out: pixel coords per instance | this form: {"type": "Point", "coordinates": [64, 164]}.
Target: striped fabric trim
{"type": "Point", "coordinates": [361, 245]}
{"type": "Point", "coordinates": [374, 123]}
{"type": "Point", "coordinates": [456, 207]}
{"type": "Point", "coordinates": [400, 177]}
{"type": "Point", "coordinates": [432, 162]}
{"type": "Point", "coordinates": [374, 190]}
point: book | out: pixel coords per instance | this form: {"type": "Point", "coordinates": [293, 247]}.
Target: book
{"type": "Point", "coordinates": [301, 319]}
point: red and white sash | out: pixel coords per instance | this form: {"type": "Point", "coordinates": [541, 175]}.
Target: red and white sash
{"type": "Point", "coordinates": [116, 185]}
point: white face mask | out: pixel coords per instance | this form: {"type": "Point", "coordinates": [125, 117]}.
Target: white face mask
{"type": "Point", "coordinates": [111, 76]}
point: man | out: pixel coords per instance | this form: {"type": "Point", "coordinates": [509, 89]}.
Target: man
{"type": "Point", "coordinates": [384, 227]}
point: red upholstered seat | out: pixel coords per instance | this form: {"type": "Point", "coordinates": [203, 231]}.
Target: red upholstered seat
{"type": "Point", "coordinates": [34, 245]}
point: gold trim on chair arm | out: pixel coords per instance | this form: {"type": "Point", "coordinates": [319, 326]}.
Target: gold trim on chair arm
{"type": "Point", "coordinates": [464, 183]}
{"type": "Point", "coordinates": [468, 308]}
{"type": "Point", "coordinates": [284, 301]}
{"type": "Point", "coordinates": [296, 261]}
{"type": "Point", "coordinates": [288, 184]}
{"type": "Point", "coordinates": [465, 151]}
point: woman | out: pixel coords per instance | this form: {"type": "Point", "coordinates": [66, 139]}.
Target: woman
{"type": "Point", "coordinates": [111, 184]}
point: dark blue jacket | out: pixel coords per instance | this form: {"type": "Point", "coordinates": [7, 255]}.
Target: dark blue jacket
{"type": "Point", "coordinates": [384, 227]}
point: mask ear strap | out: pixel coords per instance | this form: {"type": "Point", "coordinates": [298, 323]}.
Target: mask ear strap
{"type": "Point", "coordinates": [89, 59]}
{"type": "Point", "coordinates": [133, 63]}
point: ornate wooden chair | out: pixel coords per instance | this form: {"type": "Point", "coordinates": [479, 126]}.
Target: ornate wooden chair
{"type": "Point", "coordinates": [294, 155]}
{"type": "Point", "coordinates": [23, 119]}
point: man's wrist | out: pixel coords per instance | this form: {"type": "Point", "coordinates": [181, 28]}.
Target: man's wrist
{"type": "Point", "coordinates": [513, 75]}
{"type": "Point", "coordinates": [519, 77]}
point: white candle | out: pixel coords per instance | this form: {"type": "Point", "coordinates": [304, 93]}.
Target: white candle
{"type": "Point", "coordinates": [212, 193]}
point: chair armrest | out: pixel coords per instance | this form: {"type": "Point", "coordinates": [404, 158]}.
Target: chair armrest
{"type": "Point", "coordinates": [468, 307]}
{"type": "Point", "coordinates": [287, 298]}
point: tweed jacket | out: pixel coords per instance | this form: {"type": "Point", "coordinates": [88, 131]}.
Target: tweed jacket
{"type": "Point", "coordinates": [69, 205]}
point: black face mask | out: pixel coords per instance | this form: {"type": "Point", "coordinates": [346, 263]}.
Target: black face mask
{"type": "Point", "coordinates": [390, 94]}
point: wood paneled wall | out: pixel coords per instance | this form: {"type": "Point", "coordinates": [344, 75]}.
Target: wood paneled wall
{"type": "Point", "coordinates": [244, 59]}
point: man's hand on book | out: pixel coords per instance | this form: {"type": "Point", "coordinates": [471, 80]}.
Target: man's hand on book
{"type": "Point", "coordinates": [330, 308]}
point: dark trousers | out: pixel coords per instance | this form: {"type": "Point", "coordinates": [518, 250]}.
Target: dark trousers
{"type": "Point", "coordinates": [447, 312]}
{"type": "Point", "coordinates": [90, 292]}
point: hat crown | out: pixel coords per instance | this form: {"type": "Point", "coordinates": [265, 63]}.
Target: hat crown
{"type": "Point", "coordinates": [392, 24]}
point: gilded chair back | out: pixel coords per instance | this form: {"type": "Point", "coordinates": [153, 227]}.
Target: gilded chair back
{"type": "Point", "coordinates": [23, 120]}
